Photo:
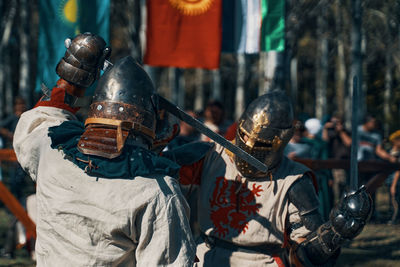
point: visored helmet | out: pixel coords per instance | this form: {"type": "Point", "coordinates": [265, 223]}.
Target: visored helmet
{"type": "Point", "coordinates": [264, 129]}
{"type": "Point", "coordinates": [123, 107]}
{"type": "Point", "coordinates": [83, 59]}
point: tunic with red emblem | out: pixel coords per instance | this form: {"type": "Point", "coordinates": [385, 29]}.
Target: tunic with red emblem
{"type": "Point", "coordinates": [242, 211]}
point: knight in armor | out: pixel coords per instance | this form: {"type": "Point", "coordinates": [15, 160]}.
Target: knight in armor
{"type": "Point", "coordinates": [244, 217]}
{"type": "Point", "coordinates": [103, 198]}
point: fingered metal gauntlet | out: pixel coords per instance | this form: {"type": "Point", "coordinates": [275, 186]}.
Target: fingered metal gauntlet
{"type": "Point", "coordinates": [83, 59]}
{"type": "Point", "coordinates": [346, 222]}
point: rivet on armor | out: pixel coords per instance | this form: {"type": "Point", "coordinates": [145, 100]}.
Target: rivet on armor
{"type": "Point", "coordinates": [121, 109]}
{"type": "Point", "coordinates": [82, 144]}
{"type": "Point", "coordinates": [99, 107]}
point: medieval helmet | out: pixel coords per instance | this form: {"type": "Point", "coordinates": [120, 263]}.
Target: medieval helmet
{"type": "Point", "coordinates": [83, 59]}
{"type": "Point", "coordinates": [263, 131]}
{"type": "Point", "coordinates": [122, 108]}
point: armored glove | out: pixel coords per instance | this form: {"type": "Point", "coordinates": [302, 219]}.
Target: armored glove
{"type": "Point", "coordinates": [346, 222]}
{"type": "Point", "coordinates": [349, 218]}
{"type": "Point", "coordinates": [83, 59]}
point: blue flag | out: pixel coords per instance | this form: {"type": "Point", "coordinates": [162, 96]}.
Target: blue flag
{"type": "Point", "coordinates": [61, 19]}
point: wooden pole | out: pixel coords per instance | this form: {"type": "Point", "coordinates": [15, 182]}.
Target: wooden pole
{"type": "Point", "coordinates": [16, 208]}
{"type": "Point", "coordinates": [7, 155]}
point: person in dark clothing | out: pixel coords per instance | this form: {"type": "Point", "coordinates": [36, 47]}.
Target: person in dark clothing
{"type": "Point", "coordinates": [318, 150]}
{"type": "Point", "coordinates": [339, 143]}
{"type": "Point", "coordinates": [370, 148]}
{"type": "Point", "coordinates": [18, 181]}
{"type": "Point", "coordinates": [7, 126]}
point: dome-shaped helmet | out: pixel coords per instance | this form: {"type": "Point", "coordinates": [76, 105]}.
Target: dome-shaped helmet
{"type": "Point", "coordinates": [263, 131]}
{"type": "Point", "coordinates": [123, 106]}
{"type": "Point", "coordinates": [83, 59]}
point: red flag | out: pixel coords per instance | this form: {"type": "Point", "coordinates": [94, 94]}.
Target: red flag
{"type": "Point", "coordinates": [184, 33]}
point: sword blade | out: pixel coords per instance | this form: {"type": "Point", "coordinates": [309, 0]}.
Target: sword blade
{"type": "Point", "coordinates": [182, 115]}
{"type": "Point", "coordinates": [354, 135]}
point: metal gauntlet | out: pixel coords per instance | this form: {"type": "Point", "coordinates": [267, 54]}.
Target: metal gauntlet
{"type": "Point", "coordinates": [83, 59]}
{"type": "Point", "coordinates": [346, 222]}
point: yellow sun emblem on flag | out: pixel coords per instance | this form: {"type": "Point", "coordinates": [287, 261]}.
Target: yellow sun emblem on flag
{"type": "Point", "coordinates": [191, 7]}
{"type": "Point", "coordinates": [69, 13]}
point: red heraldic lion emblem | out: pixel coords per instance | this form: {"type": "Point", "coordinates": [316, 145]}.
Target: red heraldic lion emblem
{"type": "Point", "coordinates": [232, 205]}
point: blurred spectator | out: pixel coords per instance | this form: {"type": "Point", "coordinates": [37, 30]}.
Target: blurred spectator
{"type": "Point", "coordinates": [296, 148]}
{"type": "Point", "coordinates": [370, 148]}
{"type": "Point", "coordinates": [370, 145]}
{"type": "Point", "coordinates": [319, 150]}
{"type": "Point", "coordinates": [7, 126]}
{"type": "Point", "coordinates": [18, 180]}
{"type": "Point", "coordinates": [339, 144]}
{"type": "Point", "coordinates": [186, 135]}
{"type": "Point", "coordinates": [214, 118]}
{"type": "Point", "coordinates": [393, 179]}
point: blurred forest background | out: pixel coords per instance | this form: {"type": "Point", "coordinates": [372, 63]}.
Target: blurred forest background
{"type": "Point", "coordinates": [315, 68]}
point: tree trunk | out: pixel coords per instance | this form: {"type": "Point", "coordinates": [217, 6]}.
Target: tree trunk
{"type": "Point", "coordinates": [199, 94]}
{"type": "Point", "coordinates": [5, 79]}
{"type": "Point", "coordinates": [177, 86]}
{"type": "Point", "coordinates": [340, 81]}
{"type": "Point", "coordinates": [2, 88]}
{"type": "Point", "coordinates": [239, 96]}
{"type": "Point", "coordinates": [24, 89]}
{"type": "Point", "coordinates": [8, 82]}
{"type": "Point", "coordinates": [134, 27]}
{"type": "Point", "coordinates": [388, 76]}
{"type": "Point", "coordinates": [322, 64]}
{"type": "Point", "coordinates": [272, 62]}
{"type": "Point", "coordinates": [356, 64]}
{"type": "Point", "coordinates": [388, 92]}
{"type": "Point", "coordinates": [181, 85]}
{"type": "Point", "coordinates": [261, 71]}
{"type": "Point", "coordinates": [293, 81]}
{"type": "Point", "coordinates": [216, 85]}
{"type": "Point", "coordinates": [172, 85]}
{"type": "Point", "coordinates": [143, 27]}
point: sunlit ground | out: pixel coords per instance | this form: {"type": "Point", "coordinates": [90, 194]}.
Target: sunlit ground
{"type": "Point", "coordinates": [377, 245]}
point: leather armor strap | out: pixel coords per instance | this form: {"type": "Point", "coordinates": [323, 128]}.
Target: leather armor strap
{"type": "Point", "coordinates": [267, 249]}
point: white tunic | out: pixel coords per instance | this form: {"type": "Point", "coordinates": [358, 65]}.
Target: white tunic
{"type": "Point", "coordinates": [251, 213]}
{"type": "Point", "coordinates": [89, 221]}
